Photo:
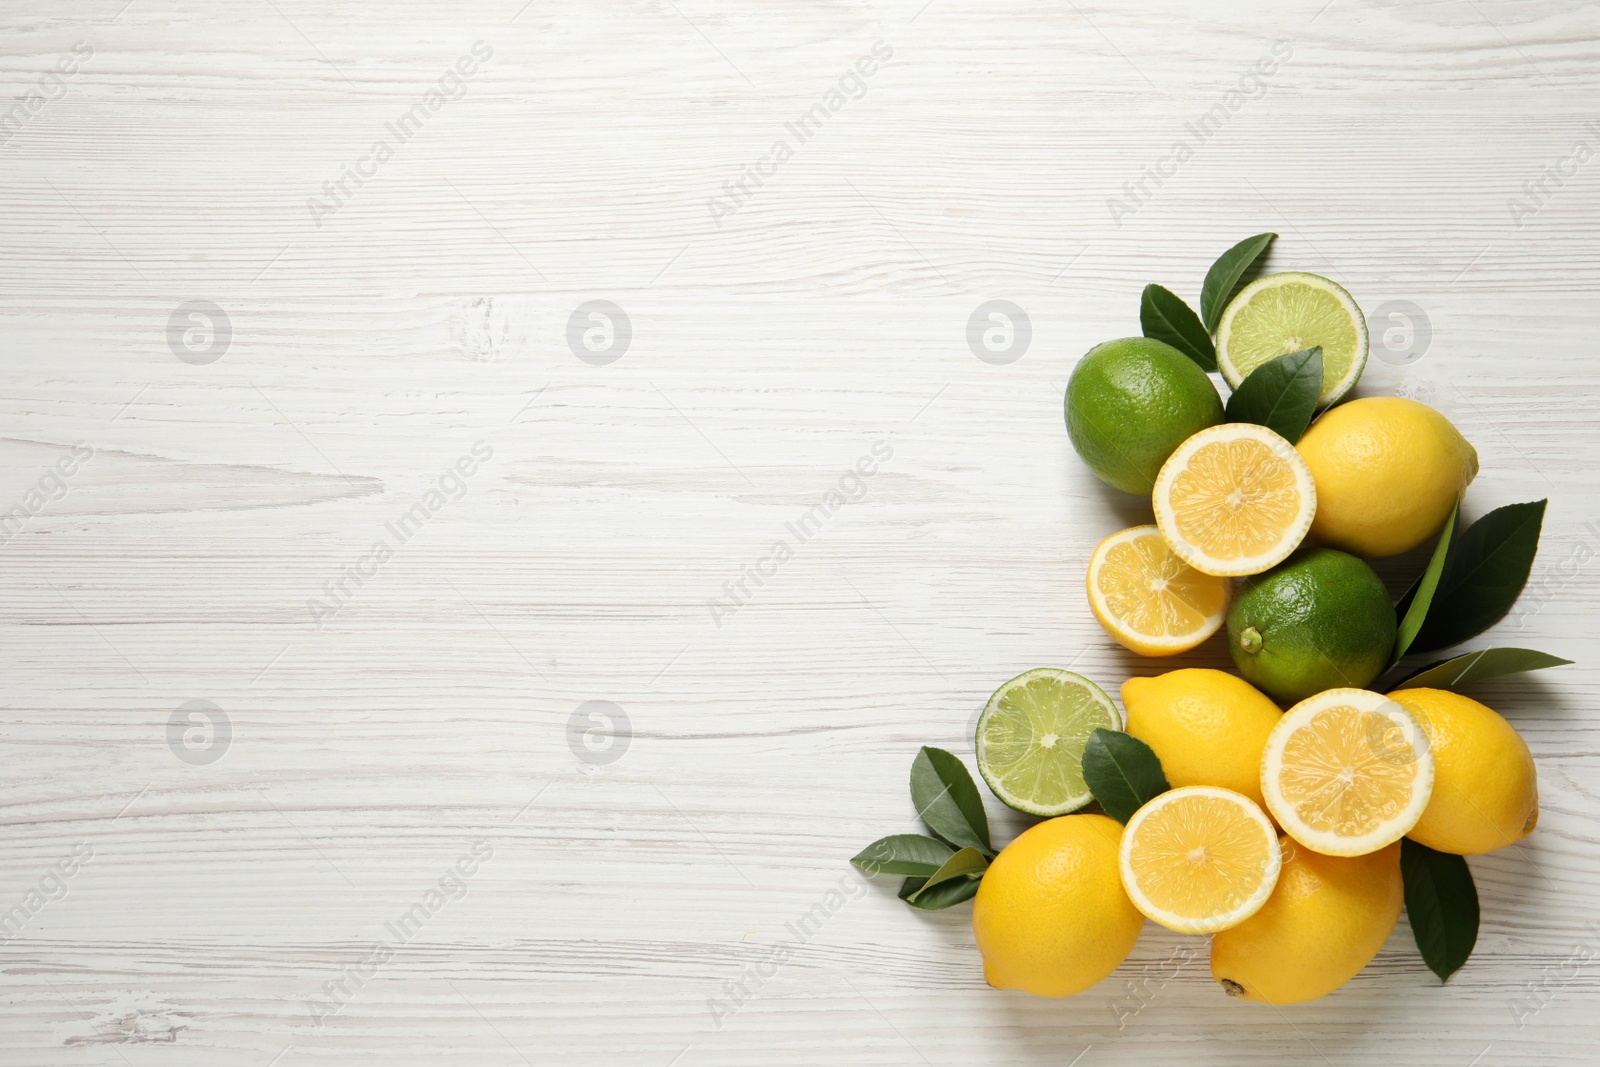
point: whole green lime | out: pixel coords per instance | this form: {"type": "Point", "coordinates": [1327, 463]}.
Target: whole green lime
{"type": "Point", "coordinates": [1319, 620]}
{"type": "Point", "coordinates": [1130, 403]}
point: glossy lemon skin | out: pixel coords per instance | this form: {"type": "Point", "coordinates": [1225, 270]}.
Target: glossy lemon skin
{"type": "Point", "coordinates": [1207, 727]}
{"type": "Point", "coordinates": [1050, 917]}
{"type": "Point", "coordinates": [1326, 919]}
{"type": "Point", "coordinates": [1388, 472]}
{"type": "Point", "coordinates": [1485, 787]}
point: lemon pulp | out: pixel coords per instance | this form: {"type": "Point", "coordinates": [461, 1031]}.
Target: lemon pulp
{"type": "Point", "coordinates": [1347, 772]}
{"type": "Point", "coordinates": [1340, 775]}
{"type": "Point", "coordinates": [1148, 598]}
{"type": "Point", "coordinates": [1199, 859]}
{"type": "Point", "coordinates": [1196, 857]}
{"type": "Point", "coordinates": [1235, 499]}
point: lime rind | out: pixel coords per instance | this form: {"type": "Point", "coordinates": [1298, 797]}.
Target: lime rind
{"type": "Point", "coordinates": [1031, 737]}
{"type": "Point", "coordinates": [1241, 350]}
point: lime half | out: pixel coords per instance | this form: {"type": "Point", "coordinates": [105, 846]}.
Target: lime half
{"type": "Point", "coordinates": [1289, 312]}
{"type": "Point", "coordinates": [1032, 735]}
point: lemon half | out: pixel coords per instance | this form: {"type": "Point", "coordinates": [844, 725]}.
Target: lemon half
{"type": "Point", "coordinates": [1148, 599]}
{"type": "Point", "coordinates": [1199, 859]}
{"type": "Point", "coordinates": [1234, 499]}
{"type": "Point", "coordinates": [1347, 772]}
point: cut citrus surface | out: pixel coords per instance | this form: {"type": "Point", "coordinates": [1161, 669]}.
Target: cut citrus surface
{"type": "Point", "coordinates": [1290, 312]}
{"type": "Point", "coordinates": [1031, 738]}
{"type": "Point", "coordinates": [1234, 499]}
{"type": "Point", "coordinates": [1149, 599]}
{"type": "Point", "coordinates": [1346, 772]}
{"type": "Point", "coordinates": [1199, 859]}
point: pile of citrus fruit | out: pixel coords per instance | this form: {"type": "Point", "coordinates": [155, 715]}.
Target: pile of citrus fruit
{"type": "Point", "coordinates": [1292, 809]}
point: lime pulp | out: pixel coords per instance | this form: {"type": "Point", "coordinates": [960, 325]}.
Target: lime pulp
{"type": "Point", "coordinates": [1032, 735]}
{"type": "Point", "coordinates": [1290, 312]}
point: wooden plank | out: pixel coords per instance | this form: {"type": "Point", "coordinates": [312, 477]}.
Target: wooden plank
{"type": "Point", "coordinates": [387, 717]}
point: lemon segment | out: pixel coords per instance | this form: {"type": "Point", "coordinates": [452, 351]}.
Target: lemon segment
{"type": "Point", "coordinates": [1347, 772]}
{"type": "Point", "coordinates": [1234, 499]}
{"type": "Point", "coordinates": [1199, 859]}
{"type": "Point", "coordinates": [1031, 738]}
{"type": "Point", "coordinates": [1148, 599]}
{"type": "Point", "coordinates": [1290, 312]}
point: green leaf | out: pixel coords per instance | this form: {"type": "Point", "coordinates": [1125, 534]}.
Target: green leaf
{"type": "Point", "coordinates": [1281, 394]}
{"type": "Point", "coordinates": [1442, 904]}
{"type": "Point", "coordinates": [1122, 772]}
{"type": "Point", "coordinates": [1484, 570]}
{"type": "Point", "coordinates": [1463, 670]}
{"type": "Point", "coordinates": [1420, 595]}
{"type": "Point", "coordinates": [1165, 317]}
{"type": "Point", "coordinates": [968, 863]}
{"type": "Point", "coordinates": [944, 895]}
{"type": "Point", "coordinates": [948, 801]}
{"type": "Point", "coordinates": [903, 854]}
{"type": "Point", "coordinates": [1224, 276]}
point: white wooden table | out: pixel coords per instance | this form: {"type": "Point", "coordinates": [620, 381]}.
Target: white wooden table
{"type": "Point", "coordinates": [396, 686]}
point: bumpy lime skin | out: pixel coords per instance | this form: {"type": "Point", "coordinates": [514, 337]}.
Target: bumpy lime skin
{"type": "Point", "coordinates": [1321, 619]}
{"type": "Point", "coordinates": [1130, 403]}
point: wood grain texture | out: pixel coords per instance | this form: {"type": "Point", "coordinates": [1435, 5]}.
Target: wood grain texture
{"type": "Point", "coordinates": [437, 711]}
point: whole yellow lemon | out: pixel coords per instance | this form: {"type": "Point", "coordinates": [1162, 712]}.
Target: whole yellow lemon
{"type": "Point", "coordinates": [1327, 918]}
{"type": "Point", "coordinates": [1207, 727]}
{"type": "Point", "coordinates": [1051, 917]}
{"type": "Point", "coordinates": [1485, 789]}
{"type": "Point", "coordinates": [1388, 472]}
